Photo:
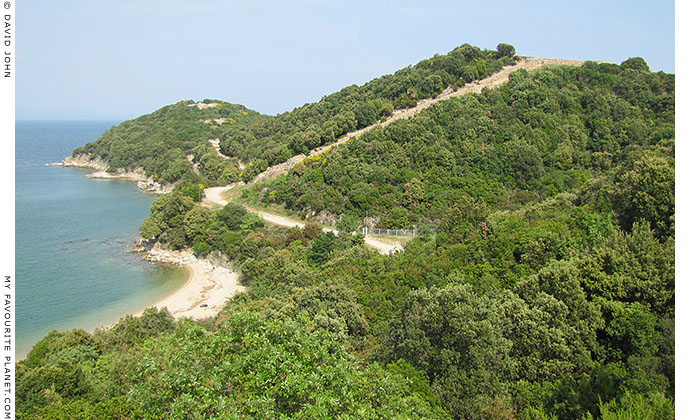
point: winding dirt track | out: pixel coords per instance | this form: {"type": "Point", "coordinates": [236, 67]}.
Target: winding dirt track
{"type": "Point", "coordinates": [214, 195]}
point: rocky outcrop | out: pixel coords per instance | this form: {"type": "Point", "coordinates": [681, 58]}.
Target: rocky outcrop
{"type": "Point", "coordinates": [83, 161]}
{"type": "Point", "coordinates": [216, 258]}
{"type": "Point", "coordinates": [138, 175]}
{"type": "Point", "coordinates": [142, 245]}
{"type": "Point", "coordinates": [203, 105]}
{"type": "Point", "coordinates": [324, 218]}
{"type": "Point", "coordinates": [135, 175]}
{"type": "Point", "coordinates": [157, 252]}
{"type": "Point", "coordinates": [153, 187]}
{"type": "Point", "coordinates": [160, 254]}
{"type": "Point", "coordinates": [281, 168]}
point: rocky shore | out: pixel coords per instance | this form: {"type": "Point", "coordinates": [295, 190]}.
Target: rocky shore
{"type": "Point", "coordinates": [144, 183]}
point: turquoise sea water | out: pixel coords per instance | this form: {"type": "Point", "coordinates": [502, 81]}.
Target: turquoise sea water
{"type": "Point", "coordinates": [72, 237]}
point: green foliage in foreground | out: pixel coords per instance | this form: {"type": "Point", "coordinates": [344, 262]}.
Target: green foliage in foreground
{"type": "Point", "coordinates": [310, 339]}
{"type": "Point", "coordinates": [546, 310]}
{"type": "Point", "coordinates": [251, 367]}
{"type": "Point", "coordinates": [247, 366]}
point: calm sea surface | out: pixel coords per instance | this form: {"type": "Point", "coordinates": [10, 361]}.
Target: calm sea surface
{"type": "Point", "coordinates": [72, 237]}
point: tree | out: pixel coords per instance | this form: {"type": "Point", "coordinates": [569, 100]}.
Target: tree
{"type": "Point", "coordinates": [347, 224]}
{"type": "Point", "coordinates": [505, 50]}
{"type": "Point", "coordinates": [49, 383]}
{"type": "Point", "coordinates": [176, 237]}
{"type": "Point", "coordinates": [559, 336]}
{"type": "Point", "coordinates": [464, 215]}
{"type": "Point", "coordinates": [215, 233]}
{"type": "Point", "coordinates": [413, 193]}
{"type": "Point", "coordinates": [321, 247]}
{"type": "Point", "coordinates": [231, 215]}
{"type": "Point", "coordinates": [431, 86]}
{"type": "Point", "coordinates": [363, 195]}
{"type": "Point", "coordinates": [638, 406]}
{"type": "Point", "coordinates": [632, 267]}
{"type": "Point", "coordinates": [201, 246]}
{"type": "Point", "coordinates": [454, 336]}
{"type": "Point", "coordinates": [397, 218]}
{"type": "Point", "coordinates": [297, 372]}
{"type": "Point", "coordinates": [191, 189]}
{"type": "Point", "coordinates": [365, 114]}
{"type": "Point", "coordinates": [311, 230]}
{"type": "Point", "coordinates": [635, 63]}
{"type": "Point", "coordinates": [645, 191]}
{"type": "Point", "coordinates": [523, 161]}
{"type": "Point", "coordinates": [168, 210]}
{"type": "Point", "coordinates": [251, 222]}
{"type": "Point", "coordinates": [196, 221]}
{"type": "Point", "coordinates": [335, 301]}
{"type": "Point", "coordinates": [129, 331]}
{"type": "Point", "coordinates": [81, 409]}
{"type": "Point", "coordinates": [149, 229]}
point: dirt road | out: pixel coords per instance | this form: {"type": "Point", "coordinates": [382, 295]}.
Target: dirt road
{"type": "Point", "coordinates": [214, 194]}
{"type": "Point", "coordinates": [214, 198]}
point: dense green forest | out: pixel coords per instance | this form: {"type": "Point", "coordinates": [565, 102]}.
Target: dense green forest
{"type": "Point", "coordinates": [274, 140]}
{"type": "Point", "coordinates": [541, 286]}
{"type": "Point", "coordinates": [159, 142]}
{"type": "Point", "coordinates": [594, 127]}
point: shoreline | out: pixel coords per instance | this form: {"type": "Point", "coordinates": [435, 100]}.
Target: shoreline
{"type": "Point", "coordinates": [208, 281]}
{"type": "Point", "coordinates": [207, 284]}
{"type": "Point", "coordinates": [100, 167]}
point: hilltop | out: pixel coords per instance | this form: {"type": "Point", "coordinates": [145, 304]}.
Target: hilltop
{"type": "Point", "coordinates": [173, 142]}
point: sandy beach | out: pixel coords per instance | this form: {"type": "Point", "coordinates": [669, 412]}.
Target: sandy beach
{"type": "Point", "coordinates": [207, 285]}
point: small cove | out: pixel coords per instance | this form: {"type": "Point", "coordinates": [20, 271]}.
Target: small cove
{"type": "Point", "coordinates": [72, 238]}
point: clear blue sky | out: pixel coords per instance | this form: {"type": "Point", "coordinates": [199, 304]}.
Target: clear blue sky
{"type": "Point", "coordinates": [117, 59]}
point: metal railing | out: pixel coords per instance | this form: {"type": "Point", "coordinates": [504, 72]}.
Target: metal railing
{"type": "Point", "coordinates": [387, 232]}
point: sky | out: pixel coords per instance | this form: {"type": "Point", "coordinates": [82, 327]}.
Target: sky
{"type": "Point", "coordinates": [118, 59]}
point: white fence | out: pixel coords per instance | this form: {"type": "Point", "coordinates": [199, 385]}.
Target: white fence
{"type": "Point", "coordinates": [387, 232]}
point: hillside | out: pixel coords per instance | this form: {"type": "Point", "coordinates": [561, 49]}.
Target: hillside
{"type": "Point", "coordinates": [541, 284]}
{"type": "Point", "coordinates": [160, 142]}
{"type": "Point", "coordinates": [538, 135]}
{"type": "Point", "coordinates": [173, 142]}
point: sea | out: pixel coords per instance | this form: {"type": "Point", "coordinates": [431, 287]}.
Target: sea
{"type": "Point", "coordinates": [73, 235]}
